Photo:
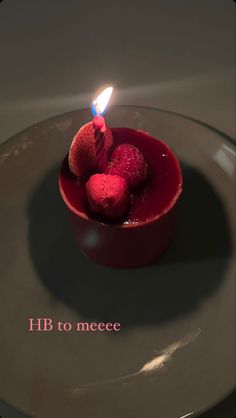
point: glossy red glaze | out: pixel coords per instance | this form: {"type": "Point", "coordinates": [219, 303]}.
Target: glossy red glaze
{"type": "Point", "coordinates": [146, 230]}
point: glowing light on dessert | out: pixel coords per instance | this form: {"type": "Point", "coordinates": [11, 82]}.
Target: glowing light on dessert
{"type": "Point", "coordinates": [99, 105]}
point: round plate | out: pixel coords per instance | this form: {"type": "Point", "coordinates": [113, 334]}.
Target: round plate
{"type": "Point", "coordinates": [174, 355]}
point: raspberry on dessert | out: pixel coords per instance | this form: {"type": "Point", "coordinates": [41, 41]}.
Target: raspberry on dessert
{"type": "Point", "coordinates": [89, 149]}
{"type": "Point", "coordinates": [108, 194]}
{"type": "Point", "coordinates": [128, 162]}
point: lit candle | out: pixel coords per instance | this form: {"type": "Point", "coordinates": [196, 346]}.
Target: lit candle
{"type": "Point", "coordinates": [99, 105]}
{"type": "Point", "coordinates": [98, 108]}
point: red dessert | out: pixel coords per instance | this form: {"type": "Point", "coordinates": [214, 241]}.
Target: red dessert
{"type": "Point", "coordinates": [108, 195]}
{"type": "Point", "coordinates": [128, 161]}
{"type": "Point", "coordinates": [89, 148]}
{"type": "Point", "coordinates": [147, 227]}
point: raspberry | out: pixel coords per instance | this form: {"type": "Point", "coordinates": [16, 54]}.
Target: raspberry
{"type": "Point", "coordinates": [128, 162]}
{"type": "Point", "coordinates": [108, 194]}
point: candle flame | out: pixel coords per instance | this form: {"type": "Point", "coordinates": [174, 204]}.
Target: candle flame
{"type": "Point", "coordinates": [100, 104]}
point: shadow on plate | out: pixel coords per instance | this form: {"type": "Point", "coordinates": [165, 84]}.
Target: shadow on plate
{"type": "Point", "coordinates": [189, 272]}
{"type": "Point", "coordinates": [225, 409]}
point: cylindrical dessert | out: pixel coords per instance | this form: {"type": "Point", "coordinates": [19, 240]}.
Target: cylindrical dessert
{"type": "Point", "coordinates": [145, 230]}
